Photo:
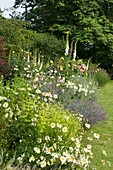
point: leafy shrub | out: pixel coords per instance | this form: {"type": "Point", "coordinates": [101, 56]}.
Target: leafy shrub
{"type": "Point", "coordinates": [49, 46]}
{"type": "Point", "coordinates": [101, 76]}
{"type": "Point", "coordinates": [90, 109]}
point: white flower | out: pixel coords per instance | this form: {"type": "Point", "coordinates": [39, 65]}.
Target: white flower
{"type": "Point", "coordinates": [80, 85]}
{"type": "Point", "coordinates": [55, 155]}
{"type": "Point", "coordinates": [89, 138]}
{"type": "Point", "coordinates": [70, 158]}
{"type": "Point", "coordinates": [16, 69]}
{"type": "Point", "coordinates": [104, 153]}
{"type": "Point", "coordinates": [39, 140]}
{"type": "Point", "coordinates": [5, 105]}
{"type": "Point", "coordinates": [63, 159]}
{"type": "Point", "coordinates": [64, 129]}
{"type": "Point", "coordinates": [52, 125]}
{"type": "Point", "coordinates": [54, 145]}
{"type": "Point", "coordinates": [1, 98]}
{"type": "Point", "coordinates": [48, 151]}
{"type": "Point", "coordinates": [6, 115]}
{"type": "Point", "coordinates": [71, 149]}
{"type": "Point", "coordinates": [97, 136]}
{"type": "Point", "coordinates": [32, 159]}
{"type": "Point", "coordinates": [43, 164]}
{"type": "Point", "coordinates": [72, 139]}
{"type": "Point", "coordinates": [51, 61]}
{"type": "Point", "coordinates": [59, 125]}
{"type": "Point", "coordinates": [55, 96]}
{"type": "Point", "coordinates": [19, 159]}
{"type": "Point", "coordinates": [37, 150]}
{"type": "Point", "coordinates": [87, 125]}
{"type": "Point", "coordinates": [59, 138]}
{"type": "Point", "coordinates": [47, 138]}
{"type": "Point", "coordinates": [89, 147]}
{"type": "Point", "coordinates": [25, 68]}
{"type": "Point", "coordinates": [38, 91]}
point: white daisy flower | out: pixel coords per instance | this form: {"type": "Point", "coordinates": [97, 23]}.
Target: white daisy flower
{"type": "Point", "coordinates": [97, 136]}
{"type": "Point", "coordinates": [64, 129]}
{"type": "Point", "coordinates": [87, 125]}
{"type": "Point", "coordinates": [43, 164]}
{"type": "Point", "coordinates": [5, 105]}
{"type": "Point", "coordinates": [59, 125]}
{"type": "Point", "coordinates": [37, 150]}
{"type": "Point", "coordinates": [63, 159]}
{"type": "Point", "coordinates": [55, 155]}
{"type": "Point", "coordinates": [52, 125]}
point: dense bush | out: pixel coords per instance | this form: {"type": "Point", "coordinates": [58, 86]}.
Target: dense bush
{"type": "Point", "coordinates": [101, 76]}
{"type": "Point", "coordinates": [22, 42]}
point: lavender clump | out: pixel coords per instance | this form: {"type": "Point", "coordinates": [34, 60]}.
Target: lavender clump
{"type": "Point", "coordinates": [90, 109]}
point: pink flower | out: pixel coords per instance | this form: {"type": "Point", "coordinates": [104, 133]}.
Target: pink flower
{"type": "Point", "coordinates": [84, 67]}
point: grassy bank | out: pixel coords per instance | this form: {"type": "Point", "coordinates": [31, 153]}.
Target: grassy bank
{"type": "Point", "coordinates": [103, 148]}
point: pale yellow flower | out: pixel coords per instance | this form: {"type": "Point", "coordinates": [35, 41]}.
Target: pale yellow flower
{"type": "Point", "coordinates": [32, 159]}
{"type": "Point", "coordinates": [104, 153]}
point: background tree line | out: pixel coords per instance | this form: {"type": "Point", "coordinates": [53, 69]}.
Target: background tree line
{"type": "Point", "coordinates": [89, 22]}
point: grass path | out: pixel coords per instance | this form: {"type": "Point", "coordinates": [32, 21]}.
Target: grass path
{"type": "Point", "coordinates": [100, 161]}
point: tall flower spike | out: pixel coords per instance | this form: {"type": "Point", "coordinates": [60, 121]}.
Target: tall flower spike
{"type": "Point", "coordinates": [67, 44]}
{"type": "Point", "coordinates": [75, 50]}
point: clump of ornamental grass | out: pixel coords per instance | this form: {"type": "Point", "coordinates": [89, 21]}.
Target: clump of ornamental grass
{"type": "Point", "coordinates": [91, 111]}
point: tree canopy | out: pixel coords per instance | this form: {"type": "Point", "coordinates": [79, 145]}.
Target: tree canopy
{"type": "Point", "coordinates": [89, 21]}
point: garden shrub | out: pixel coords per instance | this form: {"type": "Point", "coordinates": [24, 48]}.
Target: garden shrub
{"type": "Point", "coordinates": [90, 109]}
{"type": "Point", "coordinates": [49, 46]}
{"type": "Point", "coordinates": [101, 76]}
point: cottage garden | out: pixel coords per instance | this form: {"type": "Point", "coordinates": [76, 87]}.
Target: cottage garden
{"type": "Point", "coordinates": [49, 112]}
{"type": "Point", "coordinates": [51, 104]}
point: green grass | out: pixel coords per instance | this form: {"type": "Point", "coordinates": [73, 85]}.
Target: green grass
{"type": "Point", "coordinates": [105, 142]}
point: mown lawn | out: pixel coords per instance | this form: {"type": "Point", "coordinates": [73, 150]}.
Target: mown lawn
{"type": "Point", "coordinates": [105, 143]}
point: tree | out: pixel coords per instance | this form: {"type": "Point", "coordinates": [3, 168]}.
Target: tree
{"type": "Point", "coordinates": [89, 21]}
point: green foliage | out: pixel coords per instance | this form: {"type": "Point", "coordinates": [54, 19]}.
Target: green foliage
{"type": "Point", "coordinates": [21, 42]}
{"type": "Point", "coordinates": [49, 46]}
{"type": "Point", "coordinates": [89, 22]}
{"type": "Point", "coordinates": [35, 131]}
{"type": "Point", "coordinates": [101, 76]}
